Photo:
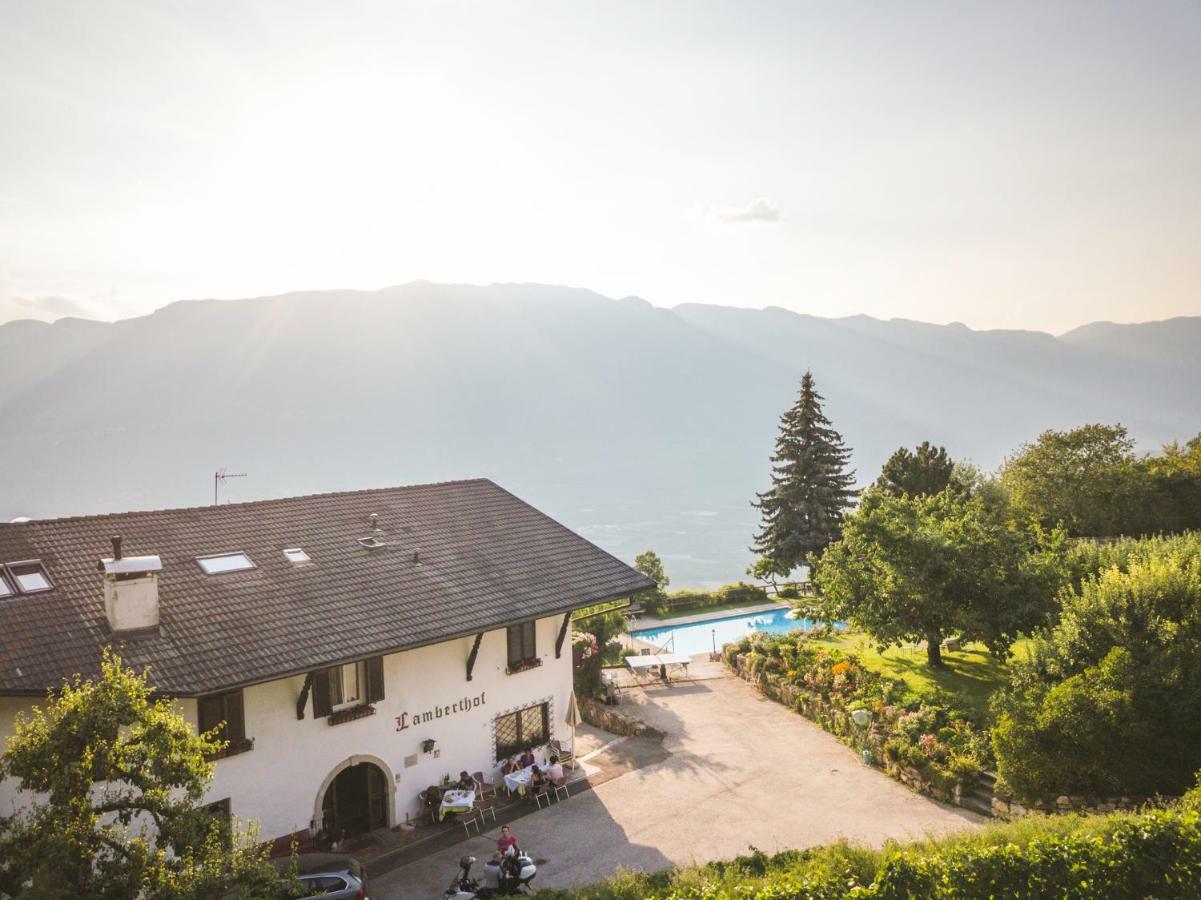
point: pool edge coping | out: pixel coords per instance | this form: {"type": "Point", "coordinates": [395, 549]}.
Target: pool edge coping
{"type": "Point", "coordinates": [705, 617]}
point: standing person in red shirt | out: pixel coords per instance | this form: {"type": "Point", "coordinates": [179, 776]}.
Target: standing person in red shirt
{"type": "Point", "coordinates": [506, 840]}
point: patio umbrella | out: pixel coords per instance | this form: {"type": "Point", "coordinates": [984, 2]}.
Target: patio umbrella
{"type": "Point", "coordinates": [573, 719]}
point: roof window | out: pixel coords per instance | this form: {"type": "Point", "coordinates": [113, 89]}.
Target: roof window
{"type": "Point", "coordinates": [6, 589]}
{"type": "Point", "coordinates": [297, 557]}
{"type": "Point", "coordinates": [30, 576]}
{"type": "Point", "coordinates": [220, 563]}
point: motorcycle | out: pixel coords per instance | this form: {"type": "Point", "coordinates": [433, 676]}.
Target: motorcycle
{"type": "Point", "coordinates": [512, 875]}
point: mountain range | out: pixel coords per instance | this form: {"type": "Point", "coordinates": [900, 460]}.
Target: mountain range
{"type": "Point", "coordinates": [636, 425]}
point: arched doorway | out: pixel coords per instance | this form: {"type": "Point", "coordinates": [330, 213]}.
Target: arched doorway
{"type": "Point", "coordinates": [356, 798]}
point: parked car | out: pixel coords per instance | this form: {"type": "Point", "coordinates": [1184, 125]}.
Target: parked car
{"type": "Point", "coordinates": [329, 876]}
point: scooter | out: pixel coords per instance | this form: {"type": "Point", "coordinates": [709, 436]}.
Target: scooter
{"type": "Point", "coordinates": [512, 875]}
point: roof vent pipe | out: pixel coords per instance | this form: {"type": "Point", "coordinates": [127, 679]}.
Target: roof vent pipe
{"type": "Point", "coordinates": [116, 547]}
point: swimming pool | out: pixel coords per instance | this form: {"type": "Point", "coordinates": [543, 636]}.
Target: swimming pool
{"type": "Point", "coordinates": [700, 637]}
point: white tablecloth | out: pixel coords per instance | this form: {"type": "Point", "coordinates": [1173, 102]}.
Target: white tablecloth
{"type": "Point", "coordinates": [456, 802]}
{"type": "Point", "coordinates": [518, 781]}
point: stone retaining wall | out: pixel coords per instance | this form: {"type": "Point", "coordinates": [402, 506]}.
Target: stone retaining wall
{"type": "Point", "coordinates": [610, 718]}
{"type": "Point", "coordinates": [1008, 808]}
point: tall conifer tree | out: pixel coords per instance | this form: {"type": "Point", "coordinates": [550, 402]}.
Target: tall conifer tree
{"type": "Point", "coordinates": [810, 485]}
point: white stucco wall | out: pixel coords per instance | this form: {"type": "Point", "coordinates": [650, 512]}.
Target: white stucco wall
{"type": "Point", "coordinates": [278, 782]}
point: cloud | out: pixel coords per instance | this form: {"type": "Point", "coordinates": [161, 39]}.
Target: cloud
{"type": "Point", "coordinates": [53, 306]}
{"type": "Point", "coordinates": [762, 210]}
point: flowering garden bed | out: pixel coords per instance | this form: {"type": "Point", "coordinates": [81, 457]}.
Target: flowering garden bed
{"type": "Point", "coordinates": [929, 743]}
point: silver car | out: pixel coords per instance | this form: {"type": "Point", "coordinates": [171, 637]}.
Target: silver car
{"type": "Point", "coordinates": [329, 876]}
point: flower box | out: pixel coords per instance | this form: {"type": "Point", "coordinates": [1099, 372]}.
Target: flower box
{"type": "Point", "coordinates": [350, 714]}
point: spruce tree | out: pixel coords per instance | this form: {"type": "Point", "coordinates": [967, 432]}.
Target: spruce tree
{"type": "Point", "coordinates": [810, 485]}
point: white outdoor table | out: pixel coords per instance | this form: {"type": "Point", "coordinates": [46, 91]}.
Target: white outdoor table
{"type": "Point", "coordinates": [518, 781]}
{"type": "Point", "coordinates": [641, 665]}
{"type": "Point", "coordinates": [456, 802]}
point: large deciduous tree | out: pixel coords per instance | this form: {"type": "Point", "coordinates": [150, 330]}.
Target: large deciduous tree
{"type": "Point", "coordinates": [924, 568]}
{"type": "Point", "coordinates": [1089, 479]}
{"type": "Point", "coordinates": [810, 489]}
{"type": "Point", "coordinates": [117, 779]}
{"type": "Point", "coordinates": [650, 565]}
{"type": "Point", "coordinates": [921, 472]}
{"type": "Point", "coordinates": [1178, 474]}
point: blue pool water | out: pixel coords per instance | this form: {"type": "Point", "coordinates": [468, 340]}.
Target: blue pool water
{"type": "Point", "coordinates": [700, 636]}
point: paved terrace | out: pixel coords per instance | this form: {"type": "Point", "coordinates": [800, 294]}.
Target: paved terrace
{"type": "Point", "coordinates": [730, 769]}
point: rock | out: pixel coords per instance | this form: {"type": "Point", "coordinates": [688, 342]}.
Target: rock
{"type": "Point", "coordinates": [1000, 807]}
{"type": "Point", "coordinates": [1063, 801]}
{"type": "Point", "coordinates": [1016, 809]}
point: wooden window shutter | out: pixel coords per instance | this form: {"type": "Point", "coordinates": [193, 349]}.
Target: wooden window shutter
{"type": "Point", "coordinates": [321, 704]}
{"type": "Point", "coordinates": [515, 645]}
{"type": "Point", "coordinates": [235, 722]}
{"type": "Point", "coordinates": [210, 712]}
{"type": "Point", "coordinates": [375, 679]}
{"type": "Point", "coordinates": [531, 642]}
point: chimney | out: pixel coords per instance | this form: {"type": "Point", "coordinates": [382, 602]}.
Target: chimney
{"type": "Point", "coordinates": [131, 592]}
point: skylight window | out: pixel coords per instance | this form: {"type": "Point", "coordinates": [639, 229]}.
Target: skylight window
{"type": "Point", "coordinates": [296, 556]}
{"type": "Point", "coordinates": [6, 589]}
{"type": "Point", "coordinates": [224, 562]}
{"type": "Point", "coordinates": [30, 576]}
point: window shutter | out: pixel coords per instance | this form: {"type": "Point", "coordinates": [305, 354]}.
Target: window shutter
{"type": "Point", "coordinates": [515, 645]}
{"type": "Point", "coordinates": [531, 645]}
{"type": "Point", "coordinates": [235, 723]}
{"type": "Point", "coordinates": [210, 712]}
{"type": "Point", "coordinates": [321, 704]}
{"type": "Point", "coordinates": [375, 680]}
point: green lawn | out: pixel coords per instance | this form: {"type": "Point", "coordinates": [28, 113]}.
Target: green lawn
{"type": "Point", "coordinates": [971, 675]}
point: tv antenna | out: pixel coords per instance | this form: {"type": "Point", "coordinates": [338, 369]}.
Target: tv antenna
{"type": "Point", "coordinates": [219, 478]}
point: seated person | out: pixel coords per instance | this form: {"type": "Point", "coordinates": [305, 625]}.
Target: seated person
{"type": "Point", "coordinates": [466, 782]}
{"type": "Point", "coordinates": [527, 758]}
{"type": "Point", "coordinates": [554, 771]}
{"type": "Point", "coordinates": [511, 765]}
{"type": "Point", "coordinates": [538, 781]}
{"type": "Point", "coordinates": [431, 799]}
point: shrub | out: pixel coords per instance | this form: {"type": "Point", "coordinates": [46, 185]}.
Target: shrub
{"type": "Point", "coordinates": [1110, 702]}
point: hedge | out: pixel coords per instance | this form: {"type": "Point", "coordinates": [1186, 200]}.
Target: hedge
{"type": "Point", "coordinates": [1154, 853]}
{"type": "Point", "coordinates": [739, 592]}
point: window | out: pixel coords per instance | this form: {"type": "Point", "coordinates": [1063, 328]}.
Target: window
{"type": "Point", "coordinates": [30, 577]}
{"type": "Point", "coordinates": [324, 884]}
{"type": "Point", "coordinates": [224, 562]}
{"type": "Point", "coordinates": [297, 557]}
{"type": "Point", "coordinates": [527, 727]}
{"type": "Point", "coordinates": [224, 713]}
{"type": "Point", "coordinates": [522, 646]}
{"type": "Point", "coordinates": [6, 589]}
{"type": "Point", "coordinates": [344, 684]}
{"type": "Point", "coordinates": [220, 811]}
{"type": "Point", "coordinates": [344, 687]}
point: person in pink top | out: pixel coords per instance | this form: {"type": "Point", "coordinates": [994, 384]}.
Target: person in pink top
{"type": "Point", "coordinates": [505, 841]}
{"type": "Point", "coordinates": [554, 771]}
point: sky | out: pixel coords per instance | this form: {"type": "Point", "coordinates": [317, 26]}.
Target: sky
{"type": "Point", "coordinates": [1006, 165]}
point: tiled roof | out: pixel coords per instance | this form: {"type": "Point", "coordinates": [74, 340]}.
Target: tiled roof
{"type": "Point", "coordinates": [487, 559]}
